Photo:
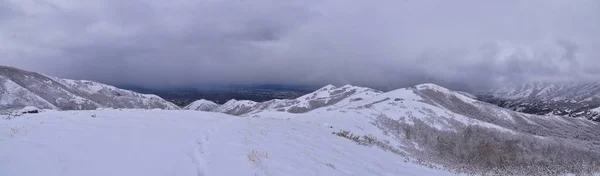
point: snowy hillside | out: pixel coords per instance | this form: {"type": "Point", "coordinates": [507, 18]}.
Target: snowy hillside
{"type": "Point", "coordinates": [553, 98]}
{"type": "Point", "coordinates": [19, 88]}
{"type": "Point", "coordinates": [182, 143]}
{"type": "Point", "coordinates": [550, 91]}
{"type": "Point", "coordinates": [201, 105]}
{"type": "Point", "coordinates": [236, 107]}
{"type": "Point", "coordinates": [413, 116]}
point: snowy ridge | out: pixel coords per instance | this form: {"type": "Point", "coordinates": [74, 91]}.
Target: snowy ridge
{"type": "Point", "coordinates": [570, 99]}
{"type": "Point", "coordinates": [550, 91]}
{"type": "Point", "coordinates": [328, 96]}
{"type": "Point", "coordinates": [19, 88]}
{"type": "Point", "coordinates": [236, 107]}
{"type": "Point", "coordinates": [110, 96]}
{"type": "Point", "coordinates": [201, 105]}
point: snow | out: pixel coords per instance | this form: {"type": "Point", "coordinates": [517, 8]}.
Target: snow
{"type": "Point", "coordinates": [445, 91]}
{"type": "Point", "coordinates": [327, 87]}
{"type": "Point", "coordinates": [9, 90]}
{"type": "Point", "coordinates": [328, 96]}
{"type": "Point", "coordinates": [596, 110]}
{"type": "Point", "coordinates": [29, 109]}
{"type": "Point", "coordinates": [330, 92]}
{"type": "Point", "coordinates": [236, 106]}
{"type": "Point", "coordinates": [84, 85]}
{"type": "Point", "coordinates": [201, 105]}
{"type": "Point", "coordinates": [95, 89]}
{"type": "Point", "coordinates": [405, 105]}
{"type": "Point", "coordinates": [20, 88]}
{"type": "Point", "coordinates": [162, 142]}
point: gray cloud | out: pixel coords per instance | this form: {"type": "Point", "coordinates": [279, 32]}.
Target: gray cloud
{"type": "Point", "coordinates": [463, 44]}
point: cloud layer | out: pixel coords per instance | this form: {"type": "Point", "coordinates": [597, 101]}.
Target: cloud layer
{"type": "Point", "coordinates": [388, 43]}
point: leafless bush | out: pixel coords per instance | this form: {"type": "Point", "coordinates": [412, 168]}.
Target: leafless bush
{"type": "Point", "coordinates": [257, 157]}
{"type": "Point", "coordinates": [370, 140]}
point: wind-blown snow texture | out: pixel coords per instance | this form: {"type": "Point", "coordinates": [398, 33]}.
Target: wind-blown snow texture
{"type": "Point", "coordinates": [19, 88]}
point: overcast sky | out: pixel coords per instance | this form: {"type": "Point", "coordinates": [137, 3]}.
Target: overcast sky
{"type": "Point", "coordinates": [459, 43]}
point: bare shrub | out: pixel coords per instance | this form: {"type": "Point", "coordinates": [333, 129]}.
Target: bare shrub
{"type": "Point", "coordinates": [257, 157]}
{"type": "Point", "coordinates": [370, 140]}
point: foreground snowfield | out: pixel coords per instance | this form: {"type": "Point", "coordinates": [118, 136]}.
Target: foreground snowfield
{"type": "Point", "coordinates": [161, 142]}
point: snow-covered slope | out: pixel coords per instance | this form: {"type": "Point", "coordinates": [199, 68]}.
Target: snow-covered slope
{"type": "Point", "coordinates": [201, 105]}
{"type": "Point", "coordinates": [554, 98]}
{"type": "Point", "coordinates": [13, 96]}
{"type": "Point", "coordinates": [328, 96]}
{"type": "Point", "coordinates": [19, 88]}
{"type": "Point", "coordinates": [460, 127]}
{"type": "Point", "coordinates": [186, 143]}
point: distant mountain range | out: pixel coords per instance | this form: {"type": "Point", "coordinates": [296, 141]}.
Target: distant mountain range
{"type": "Point", "coordinates": [572, 99]}
{"type": "Point", "coordinates": [326, 96]}
{"type": "Point", "coordinates": [20, 88]}
{"type": "Point", "coordinates": [579, 100]}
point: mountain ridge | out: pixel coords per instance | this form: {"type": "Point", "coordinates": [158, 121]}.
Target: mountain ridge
{"type": "Point", "coordinates": [325, 96]}
{"type": "Point", "coordinates": [20, 88]}
{"type": "Point", "coordinates": [571, 99]}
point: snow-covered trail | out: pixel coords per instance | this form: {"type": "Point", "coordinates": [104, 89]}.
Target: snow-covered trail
{"type": "Point", "coordinates": [112, 143]}
{"type": "Point", "coordinates": [186, 143]}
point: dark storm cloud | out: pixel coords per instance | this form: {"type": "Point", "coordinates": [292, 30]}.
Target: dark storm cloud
{"type": "Point", "coordinates": [462, 44]}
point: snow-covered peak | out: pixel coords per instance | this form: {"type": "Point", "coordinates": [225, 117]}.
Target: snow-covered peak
{"type": "Point", "coordinates": [431, 86]}
{"type": "Point", "coordinates": [201, 105]}
{"type": "Point", "coordinates": [330, 90]}
{"type": "Point", "coordinates": [205, 101]}
{"type": "Point", "coordinates": [234, 102]}
{"type": "Point", "coordinates": [347, 86]}
{"type": "Point", "coordinates": [332, 96]}
{"type": "Point", "coordinates": [237, 107]}
{"type": "Point", "coordinates": [327, 87]}
{"type": "Point", "coordinates": [447, 92]}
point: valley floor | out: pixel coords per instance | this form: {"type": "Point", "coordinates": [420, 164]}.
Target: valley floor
{"type": "Point", "coordinates": [158, 142]}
